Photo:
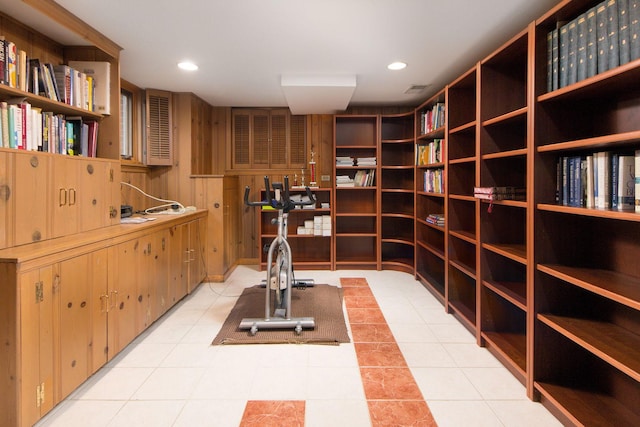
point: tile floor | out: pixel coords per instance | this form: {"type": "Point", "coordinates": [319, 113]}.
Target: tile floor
{"type": "Point", "coordinates": [172, 376]}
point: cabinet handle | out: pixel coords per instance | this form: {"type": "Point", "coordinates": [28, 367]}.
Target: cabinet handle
{"type": "Point", "coordinates": [104, 307]}
{"type": "Point", "coordinates": [113, 300]}
{"type": "Point", "coordinates": [5, 192]}
{"type": "Point", "coordinates": [62, 197]}
{"type": "Point", "coordinates": [193, 252]}
{"type": "Point", "coordinates": [72, 196]}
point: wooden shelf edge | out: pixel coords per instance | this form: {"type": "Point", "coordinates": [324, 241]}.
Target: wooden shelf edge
{"type": "Point", "coordinates": [597, 213]}
{"type": "Point", "coordinates": [511, 349]}
{"type": "Point", "coordinates": [515, 252]}
{"type": "Point", "coordinates": [613, 344]}
{"type": "Point", "coordinates": [510, 291]}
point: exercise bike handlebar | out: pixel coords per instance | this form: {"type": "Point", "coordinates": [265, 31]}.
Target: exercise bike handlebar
{"type": "Point", "coordinates": [284, 202]}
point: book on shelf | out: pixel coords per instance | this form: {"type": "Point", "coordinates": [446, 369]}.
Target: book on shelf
{"type": "Point", "coordinates": [500, 193]}
{"type": "Point", "coordinates": [432, 118]}
{"type": "Point", "coordinates": [427, 154]}
{"type": "Point", "coordinates": [634, 29]}
{"type": "Point", "coordinates": [365, 161]}
{"type": "Point", "coordinates": [435, 219]}
{"type": "Point", "coordinates": [344, 161]}
{"type": "Point", "coordinates": [433, 181]}
{"type": "Point", "coordinates": [601, 180]}
{"type": "Point", "coordinates": [596, 40]}
{"type": "Point", "coordinates": [3, 60]}
{"type": "Point", "coordinates": [97, 84]}
{"type": "Point", "coordinates": [636, 181]}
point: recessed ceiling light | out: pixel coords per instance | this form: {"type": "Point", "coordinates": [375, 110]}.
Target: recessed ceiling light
{"type": "Point", "coordinates": [396, 66]}
{"type": "Point", "coordinates": [188, 66]}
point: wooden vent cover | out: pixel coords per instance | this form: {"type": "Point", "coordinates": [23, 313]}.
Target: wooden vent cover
{"type": "Point", "coordinates": [159, 147]}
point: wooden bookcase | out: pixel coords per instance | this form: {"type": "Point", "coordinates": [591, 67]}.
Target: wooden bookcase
{"type": "Point", "coordinates": [430, 241]}
{"type": "Point", "coordinates": [461, 289]}
{"type": "Point", "coordinates": [505, 268]}
{"type": "Point", "coordinates": [586, 365]}
{"type": "Point", "coordinates": [309, 251]}
{"type": "Point", "coordinates": [357, 227]}
{"type": "Point", "coordinates": [397, 170]}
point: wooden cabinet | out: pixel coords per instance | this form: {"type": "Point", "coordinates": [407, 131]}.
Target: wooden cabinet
{"type": "Point", "coordinates": [586, 296]}
{"type": "Point", "coordinates": [355, 206]}
{"type": "Point", "coordinates": [430, 205]}
{"type": "Point", "coordinates": [506, 267]}
{"type": "Point", "coordinates": [6, 187]}
{"type": "Point", "coordinates": [33, 393]}
{"type": "Point", "coordinates": [462, 208]}
{"type": "Point", "coordinates": [397, 181]}
{"type": "Point", "coordinates": [31, 210]}
{"type": "Point", "coordinates": [311, 247]}
{"type": "Point", "coordinates": [68, 305]}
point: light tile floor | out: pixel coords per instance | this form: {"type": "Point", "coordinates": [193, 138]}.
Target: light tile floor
{"type": "Point", "coordinates": [171, 375]}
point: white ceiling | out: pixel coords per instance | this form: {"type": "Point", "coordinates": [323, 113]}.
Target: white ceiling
{"type": "Point", "coordinates": [244, 48]}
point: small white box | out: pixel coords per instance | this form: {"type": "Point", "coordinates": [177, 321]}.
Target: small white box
{"type": "Point", "coordinates": [326, 219]}
{"type": "Point", "coordinates": [302, 230]}
{"type": "Point", "coordinates": [308, 223]}
{"type": "Point", "coordinates": [326, 233]}
{"type": "Point", "coordinates": [317, 231]}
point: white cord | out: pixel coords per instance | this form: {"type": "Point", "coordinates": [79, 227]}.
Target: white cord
{"type": "Point", "coordinates": [168, 202]}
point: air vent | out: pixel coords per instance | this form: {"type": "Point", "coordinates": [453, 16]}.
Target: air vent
{"type": "Point", "coordinates": [415, 89]}
{"type": "Point", "coordinates": [158, 149]}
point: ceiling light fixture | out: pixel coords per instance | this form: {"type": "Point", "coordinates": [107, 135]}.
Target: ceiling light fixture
{"type": "Point", "coordinates": [397, 66]}
{"type": "Point", "coordinates": [187, 65]}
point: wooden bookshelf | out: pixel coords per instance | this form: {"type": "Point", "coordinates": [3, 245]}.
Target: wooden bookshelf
{"type": "Point", "coordinates": [430, 250]}
{"type": "Point", "coordinates": [397, 170]}
{"type": "Point", "coordinates": [586, 300]}
{"type": "Point", "coordinates": [310, 249]}
{"type": "Point", "coordinates": [505, 252]}
{"type": "Point", "coordinates": [462, 166]}
{"type": "Point", "coordinates": [357, 227]}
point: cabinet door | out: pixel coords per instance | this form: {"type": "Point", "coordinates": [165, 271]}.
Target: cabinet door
{"type": "Point", "coordinates": [195, 253]}
{"type": "Point", "coordinates": [94, 194]}
{"type": "Point", "coordinates": [178, 273]}
{"type": "Point", "coordinates": [5, 199]}
{"type": "Point", "coordinates": [65, 193]}
{"type": "Point", "coordinates": [98, 275]}
{"type": "Point", "coordinates": [37, 385]}
{"type": "Point", "coordinates": [123, 275]}
{"type": "Point", "coordinates": [161, 260]}
{"type": "Point", "coordinates": [30, 197]}
{"type": "Point", "coordinates": [75, 321]}
{"type": "Point", "coordinates": [114, 176]}
{"type": "Point", "coordinates": [146, 283]}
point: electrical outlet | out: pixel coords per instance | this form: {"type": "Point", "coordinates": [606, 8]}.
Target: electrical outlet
{"type": "Point", "coordinates": [326, 178]}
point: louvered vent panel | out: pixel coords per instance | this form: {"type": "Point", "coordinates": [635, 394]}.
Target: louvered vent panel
{"type": "Point", "coordinates": [260, 139]}
{"type": "Point", "coordinates": [241, 137]}
{"type": "Point", "coordinates": [159, 148]}
{"type": "Point", "coordinates": [278, 140]}
{"type": "Point", "coordinates": [298, 140]}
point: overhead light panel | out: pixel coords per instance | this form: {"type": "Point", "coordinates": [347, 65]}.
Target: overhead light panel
{"type": "Point", "coordinates": [187, 66]}
{"type": "Point", "coordinates": [397, 66]}
{"type": "Point", "coordinates": [318, 94]}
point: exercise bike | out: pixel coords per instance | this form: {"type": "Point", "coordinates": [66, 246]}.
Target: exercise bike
{"type": "Point", "coordinates": [280, 278]}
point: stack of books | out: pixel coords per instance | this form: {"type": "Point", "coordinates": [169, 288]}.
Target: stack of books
{"type": "Point", "coordinates": [436, 219]}
{"type": "Point", "coordinates": [344, 181]}
{"type": "Point", "coordinates": [344, 161]}
{"type": "Point", "coordinates": [366, 161]}
{"type": "Point", "coordinates": [499, 193]}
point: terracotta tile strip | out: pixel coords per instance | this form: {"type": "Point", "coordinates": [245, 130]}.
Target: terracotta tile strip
{"type": "Point", "coordinates": [392, 394]}
{"type": "Point", "coordinates": [273, 413]}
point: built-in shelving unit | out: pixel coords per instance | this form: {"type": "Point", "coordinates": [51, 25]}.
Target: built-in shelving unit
{"type": "Point", "coordinates": [587, 284]}
{"type": "Point", "coordinates": [356, 206]}
{"type": "Point", "coordinates": [505, 255]}
{"type": "Point", "coordinates": [397, 170]}
{"type": "Point", "coordinates": [308, 234]}
{"type": "Point", "coordinates": [430, 206]}
{"type": "Point", "coordinates": [461, 290]}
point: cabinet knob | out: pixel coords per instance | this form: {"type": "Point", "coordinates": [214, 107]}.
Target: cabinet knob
{"type": "Point", "coordinates": [90, 169]}
{"type": "Point", "coordinates": [36, 236]}
{"type": "Point", "coordinates": [216, 205]}
{"type": "Point", "coordinates": [34, 162]}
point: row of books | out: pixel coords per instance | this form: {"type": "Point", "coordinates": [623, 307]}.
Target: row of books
{"type": "Point", "coordinates": [362, 178]}
{"type": "Point", "coordinates": [429, 153]}
{"type": "Point", "coordinates": [604, 37]}
{"type": "Point", "coordinates": [500, 193]}
{"type": "Point", "coordinates": [436, 219]}
{"type": "Point", "coordinates": [82, 84]}
{"type": "Point", "coordinates": [602, 180]}
{"type": "Point", "coordinates": [25, 127]}
{"type": "Point", "coordinates": [432, 119]}
{"type": "Point", "coordinates": [433, 181]}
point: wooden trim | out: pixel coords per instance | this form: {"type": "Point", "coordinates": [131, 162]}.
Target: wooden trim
{"type": "Point", "coordinates": [61, 15]}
